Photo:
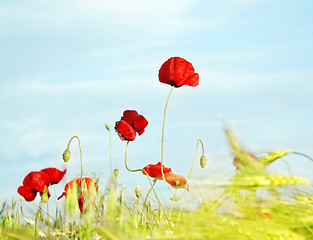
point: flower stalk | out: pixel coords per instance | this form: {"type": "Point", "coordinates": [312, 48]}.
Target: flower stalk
{"type": "Point", "coordinates": [81, 155]}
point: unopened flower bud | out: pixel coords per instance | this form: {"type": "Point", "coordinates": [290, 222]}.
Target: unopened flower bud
{"type": "Point", "coordinates": [107, 126]}
{"type": "Point", "coordinates": [44, 196]}
{"type": "Point", "coordinates": [203, 161]}
{"type": "Point", "coordinates": [66, 155]}
{"type": "Point", "coordinates": [115, 172]}
{"type": "Point", "coordinates": [138, 191]}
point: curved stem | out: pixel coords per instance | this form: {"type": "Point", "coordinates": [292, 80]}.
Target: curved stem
{"type": "Point", "coordinates": [130, 170]}
{"type": "Point", "coordinates": [162, 141]}
{"type": "Point", "coordinates": [167, 217]}
{"type": "Point", "coordinates": [142, 170]}
{"type": "Point", "coordinates": [154, 182]}
{"type": "Point", "coordinates": [302, 154]}
{"type": "Point", "coordinates": [162, 152]}
{"type": "Point", "coordinates": [81, 155]}
{"type": "Point", "coordinates": [194, 160]}
{"type": "Point", "coordinates": [193, 164]}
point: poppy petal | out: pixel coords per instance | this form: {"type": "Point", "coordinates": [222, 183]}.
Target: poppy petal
{"type": "Point", "coordinates": [130, 116]}
{"type": "Point", "coordinates": [125, 131]}
{"type": "Point", "coordinates": [28, 180]}
{"type": "Point", "coordinates": [54, 174]}
{"type": "Point", "coordinates": [40, 180]}
{"type": "Point", "coordinates": [176, 181]}
{"type": "Point", "coordinates": [90, 185]}
{"type": "Point", "coordinates": [192, 80]}
{"type": "Point", "coordinates": [63, 195]}
{"type": "Point", "coordinates": [28, 193]}
{"type": "Point", "coordinates": [140, 124]}
{"type": "Point", "coordinates": [154, 170]}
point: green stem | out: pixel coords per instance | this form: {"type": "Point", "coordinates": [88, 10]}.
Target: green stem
{"type": "Point", "coordinates": [130, 170]}
{"type": "Point", "coordinates": [140, 170]}
{"type": "Point", "coordinates": [172, 204]}
{"type": "Point", "coordinates": [162, 151]}
{"type": "Point", "coordinates": [302, 154]}
{"type": "Point", "coordinates": [194, 160]}
{"type": "Point", "coordinates": [81, 155]}
{"type": "Point", "coordinates": [111, 152]}
{"type": "Point", "coordinates": [48, 217]}
{"type": "Point", "coordinates": [162, 141]}
{"type": "Point", "coordinates": [154, 182]}
{"type": "Point", "coordinates": [193, 164]}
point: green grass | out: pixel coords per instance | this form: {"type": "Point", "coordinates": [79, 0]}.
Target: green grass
{"type": "Point", "coordinates": [252, 205]}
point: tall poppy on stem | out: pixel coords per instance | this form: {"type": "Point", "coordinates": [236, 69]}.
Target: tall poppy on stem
{"type": "Point", "coordinates": [84, 191]}
{"type": "Point", "coordinates": [130, 124]}
{"type": "Point", "coordinates": [176, 71]}
{"type": "Point", "coordinates": [154, 170]}
{"type": "Point", "coordinates": [39, 181]}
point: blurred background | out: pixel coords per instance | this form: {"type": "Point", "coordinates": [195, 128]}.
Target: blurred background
{"type": "Point", "coordinates": [69, 67]}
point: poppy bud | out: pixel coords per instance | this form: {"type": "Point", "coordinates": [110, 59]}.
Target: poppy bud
{"type": "Point", "coordinates": [44, 196]}
{"type": "Point", "coordinates": [107, 126]}
{"type": "Point", "coordinates": [138, 191]}
{"type": "Point", "coordinates": [115, 172]}
{"type": "Point", "coordinates": [203, 161]}
{"type": "Point", "coordinates": [66, 155]}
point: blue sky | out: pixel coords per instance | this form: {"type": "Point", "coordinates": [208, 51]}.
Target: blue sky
{"type": "Point", "coordinates": [68, 67]}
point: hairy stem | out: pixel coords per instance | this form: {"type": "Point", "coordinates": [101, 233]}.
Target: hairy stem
{"type": "Point", "coordinates": [81, 155]}
{"type": "Point", "coordinates": [162, 152]}
{"type": "Point", "coordinates": [142, 170]}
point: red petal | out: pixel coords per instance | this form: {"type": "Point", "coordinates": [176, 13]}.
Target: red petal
{"type": "Point", "coordinates": [140, 124]}
{"type": "Point", "coordinates": [28, 180]}
{"type": "Point", "coordinates": [177, 72]}
{"type": "Point", "coordinates": [193, 80]}
{"type": "Point", "coordinates": [28, 193]}
{"type": "Point", "coordinates": [37, 180]}
{"type": "Point", "coordinates": [154, 170]}
{"type": "Point", "coordinates": [40, 180]}
{"type": "Point", "coordinates": [55, 174]}
{"type": "Point", "coordinates": [130, 116]}
{"type": "Point", "coordinates": [63, 194]}
{"type": "Point", "coordinates": [125, 131]}
{"type": "Point", "coordinates": [172, 178]}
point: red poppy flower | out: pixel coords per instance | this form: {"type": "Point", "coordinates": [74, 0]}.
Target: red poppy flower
{"type": "Point", "coordinates": [36, 181]}
{"type": "Point", "coordinates": [237, 163]}
{"type": "Point", "coordinates": [177, 72]}
{"type": "Point", "coordinates": [176, 181]}
{"type": "Point", "coordinates": [88, 186]}
{"type": "Point", "coordinates": [154, 170]}
{"type": "Point", "coordinates": [130, 123]}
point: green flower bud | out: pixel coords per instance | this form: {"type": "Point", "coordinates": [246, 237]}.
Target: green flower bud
{"type": "Point", "coordinates": [116, 172]}
{"type": "Point", "coordinates": [203, 161]}
{"type": "Point", "coordinates": [44, 196]}
{"type": "Point", "coordinates": [138, 191]}
{"type": "Point", "coordinates": [107, 126]}
{"type": "Point", "coordinates": [66, 155]}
